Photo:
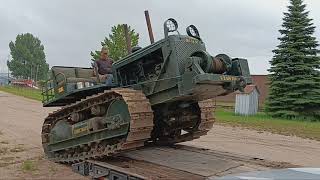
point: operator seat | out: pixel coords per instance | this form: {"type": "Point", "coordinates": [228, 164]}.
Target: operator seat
{"type": "Point", "coordinates": [72, 75]}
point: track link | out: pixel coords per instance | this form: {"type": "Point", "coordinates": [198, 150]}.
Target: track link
{"type": "Point", "coordinates": [141, 125]}
{"type": "Point", "coordinates": [205, 120]}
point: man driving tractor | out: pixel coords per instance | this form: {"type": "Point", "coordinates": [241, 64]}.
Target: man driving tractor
{"type": "Point", "coordinates": [103, 67]}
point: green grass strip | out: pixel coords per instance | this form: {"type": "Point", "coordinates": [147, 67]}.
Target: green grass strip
{"type": "Point", "coordinates": [263, 122]}
{"type": "Point", "coordinates": [22, 91]}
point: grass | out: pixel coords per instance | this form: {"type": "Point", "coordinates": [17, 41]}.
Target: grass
{"type": "Point", "coordinates": [21, 91]}
{"type": "Point", "coordinates": [231, 105]}
{"type": "Point", "coordinates": [263, 122]}
{"type": "Point", "coordinates": [29, 165]}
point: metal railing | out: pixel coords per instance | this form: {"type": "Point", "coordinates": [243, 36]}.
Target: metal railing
{"type": "Point", "coordinates": [48, 90]}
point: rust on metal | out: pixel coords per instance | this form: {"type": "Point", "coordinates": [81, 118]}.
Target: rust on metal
{"type": "Point", "coordinates": [128, 38]}
{"type": "Point", "coordinates": [141, 125]}
{"type": "Point", "coordinates": [218, 65]}
{"type": "Point", "coordinates": [146, 13]}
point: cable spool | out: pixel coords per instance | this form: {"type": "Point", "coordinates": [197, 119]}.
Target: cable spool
{"type": "Point", "coordinates": [217, 65]}
{"type": "Point", "coordinates": [221, 64]}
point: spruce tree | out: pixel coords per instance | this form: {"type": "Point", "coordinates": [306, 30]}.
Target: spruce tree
{"type": "Point", "coordinates": [294, 73]}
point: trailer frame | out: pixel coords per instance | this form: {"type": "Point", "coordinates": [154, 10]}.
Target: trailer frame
{"type": "Point", "coordinates": [98, 170]}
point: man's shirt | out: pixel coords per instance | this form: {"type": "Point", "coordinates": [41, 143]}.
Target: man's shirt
{"type": "Point", "coordinates": [104, 66]}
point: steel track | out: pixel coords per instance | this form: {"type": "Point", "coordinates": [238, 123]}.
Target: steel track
{"type": "Point", "coordinates": [141, 125]}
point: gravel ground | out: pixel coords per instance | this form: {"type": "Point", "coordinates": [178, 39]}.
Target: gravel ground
{"type": "Point", "coordinates": [20, 126]}
{"type": "Point", "coordinates": [264, 145]}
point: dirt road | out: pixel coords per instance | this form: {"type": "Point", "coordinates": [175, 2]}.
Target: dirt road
{"type": "Point", "coordinates": [21, 153]}
{"type": "Point", "coordinates": [20, 126]}
{"type": "Point", "coordinates": [263, 145]}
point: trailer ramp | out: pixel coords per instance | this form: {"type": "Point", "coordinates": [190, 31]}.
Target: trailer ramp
{"type": "Point", "coordinates": [175, 162]}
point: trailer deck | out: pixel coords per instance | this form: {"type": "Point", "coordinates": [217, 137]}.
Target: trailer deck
{"type": "Point", "coordinates": [176, 162]}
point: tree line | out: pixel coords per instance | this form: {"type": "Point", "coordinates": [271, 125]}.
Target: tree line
{"type": "Point", "coordinates": [29, 60]}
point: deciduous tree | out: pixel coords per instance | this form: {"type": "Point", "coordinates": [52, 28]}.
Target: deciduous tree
{"type": "Point", "coordinates": [116, 43]}
{"type": "Point", "coordinates": [28, 58]}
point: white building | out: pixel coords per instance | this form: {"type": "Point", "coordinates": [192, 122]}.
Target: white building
{"type": "Point", "coordinates": [247, 102]}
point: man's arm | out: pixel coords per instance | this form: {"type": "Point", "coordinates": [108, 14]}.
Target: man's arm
{"type": "Point", "coordinates": [94, 67]}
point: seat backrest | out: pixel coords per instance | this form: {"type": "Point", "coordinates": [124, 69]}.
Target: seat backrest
{"type": "Point", "coordinates": [67, 71]}
{"type": "Point", "coordinates": [84, 72]}
{"type": "Point", "coordinates": [61, 74]}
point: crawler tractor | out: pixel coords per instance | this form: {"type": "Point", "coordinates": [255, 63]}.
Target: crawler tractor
{"type": "Point", "coordinates": [161, 93]}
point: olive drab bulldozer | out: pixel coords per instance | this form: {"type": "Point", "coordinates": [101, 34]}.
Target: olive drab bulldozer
{"type": "Point", "coordinates": [161, 93]}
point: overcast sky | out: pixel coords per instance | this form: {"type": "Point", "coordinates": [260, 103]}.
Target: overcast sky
{"type": "Point", "coordinates": [70, 29]}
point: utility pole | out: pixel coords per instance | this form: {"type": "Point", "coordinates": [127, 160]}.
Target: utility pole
{"type": "Point", "coordinates": [30, 71]}
{"type": "Point", "coordinates": [37, 73]}
{"type": "Point", "coordinates": [8, 69]}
